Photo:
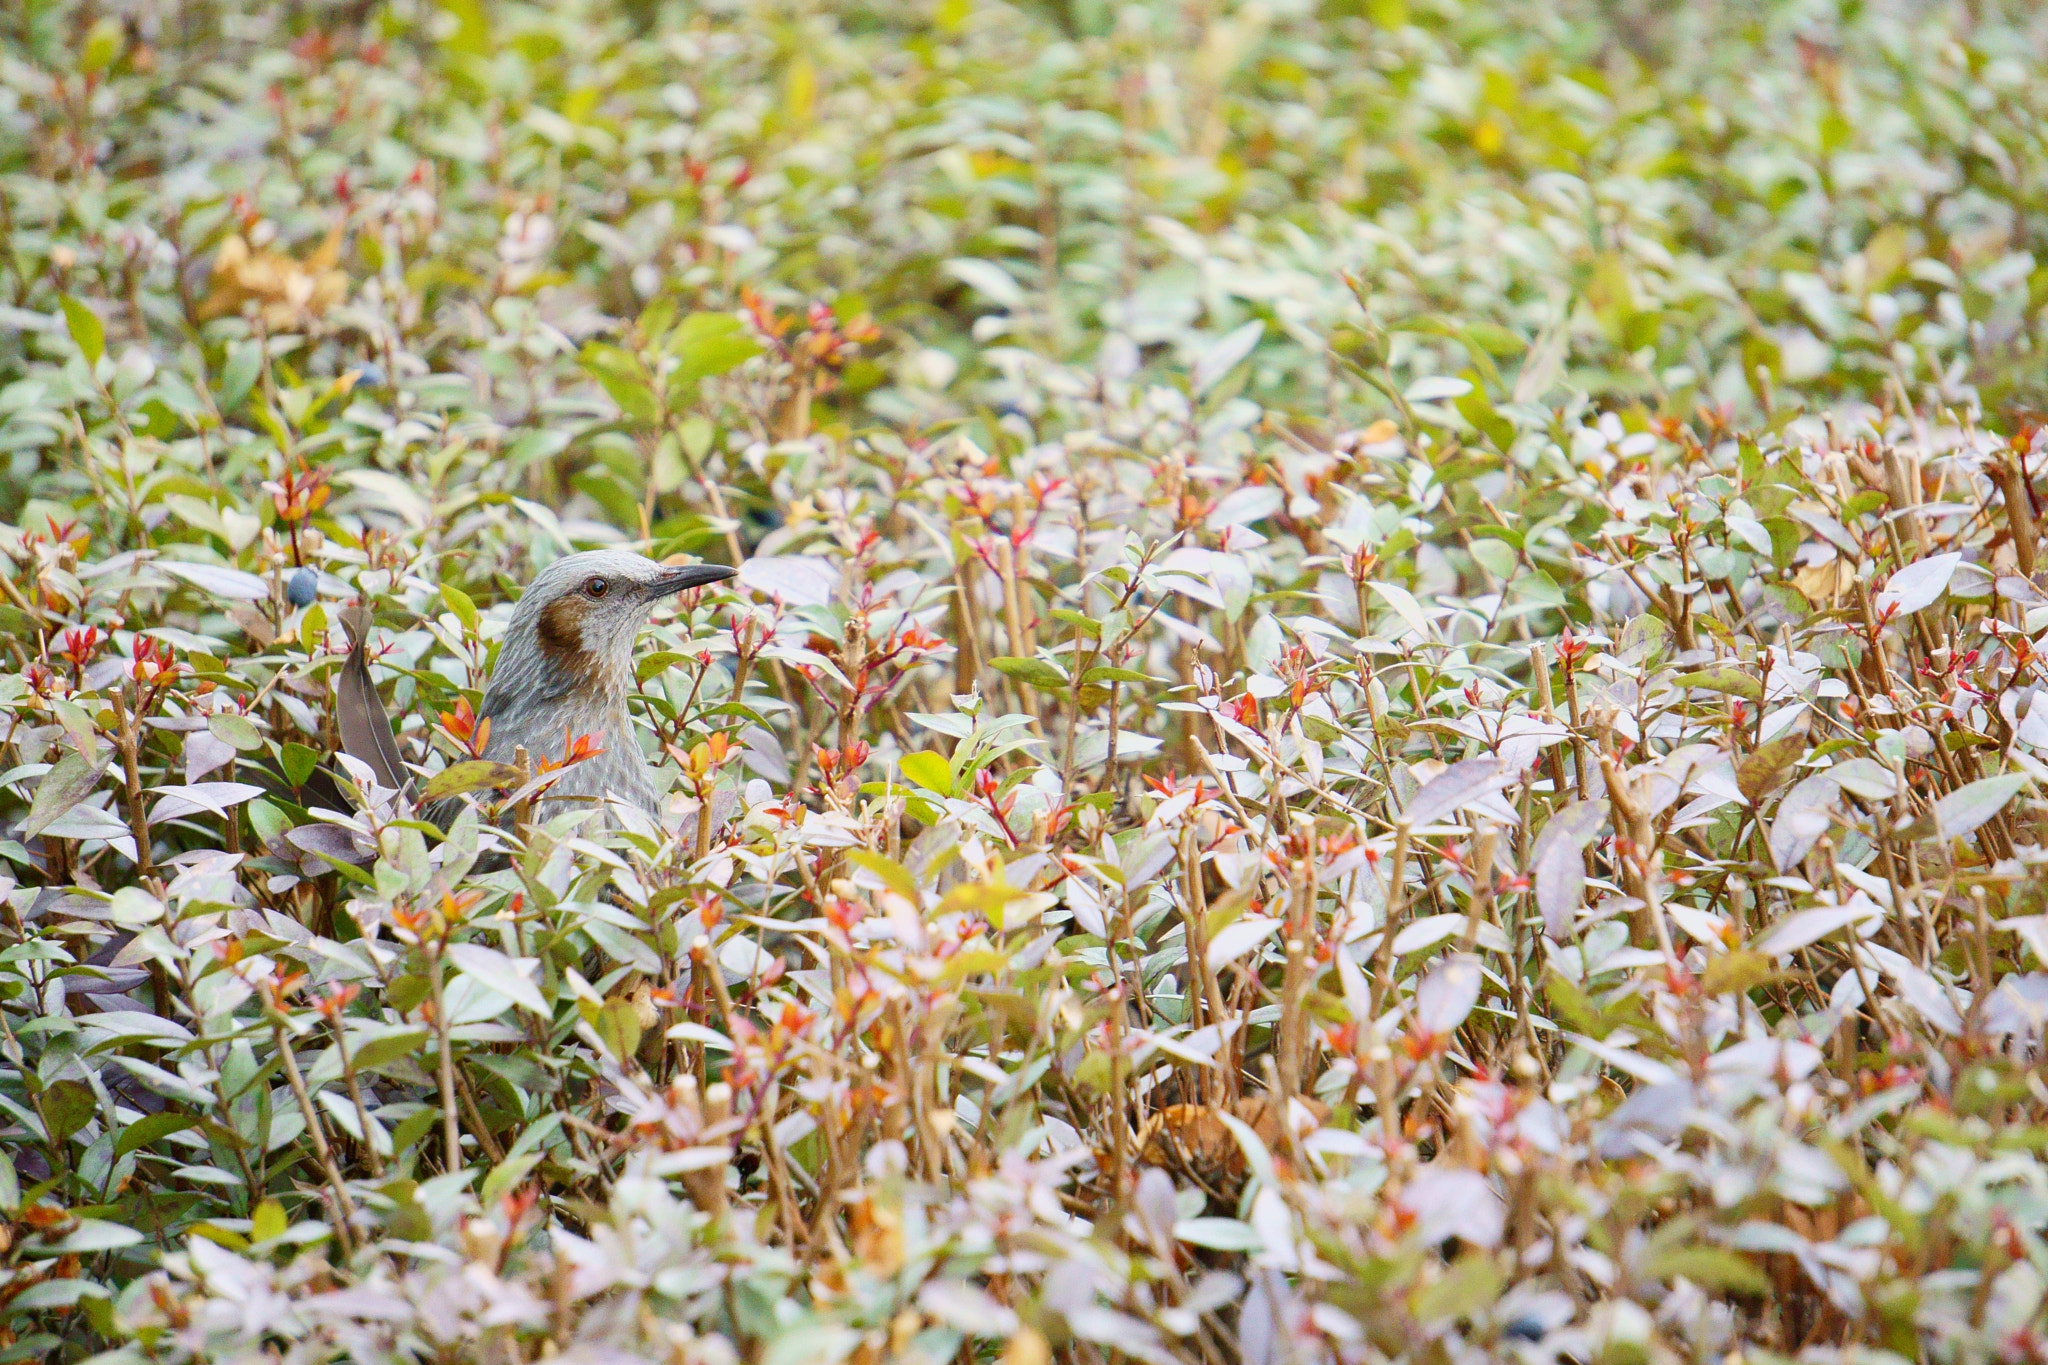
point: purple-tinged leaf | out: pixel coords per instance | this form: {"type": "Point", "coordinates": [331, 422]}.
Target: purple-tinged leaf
{"type": "Point", "coordinates": [1917, 585]}
{"type": "Point", "coordinates": [1964, 809]}
{"type": "Point", "coordinates": [1455, 788]}
{"type": "Point", "coordinates": [1447, 995]}
{"type": "Point", "coordinates": [1803, 816]}
{"type": "Point", "coordinates": [1558, 862]}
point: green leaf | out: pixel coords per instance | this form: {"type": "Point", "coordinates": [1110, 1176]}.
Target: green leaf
{"type": "Point", "coordinates": [62, 788]}
{"type": "Point", "coordinates": [622, 378]}
{"type": "Point", "coordinates": [893, 874]}
{"type": "Point", "coordinates": [708, 345]}
{"type": "Point", "coordinates": [405, 993]}
{"type": "Point", "coordinates": [470, 775]}
{"type": "Point", "coordinates": [103, 44]}
{"type": "Point", "coordinates": [151, 1127]}
{"type": "Point", "coordinates": [1108, 675]}
{"type": "Point", "coordinates": [313, 628]}
{"type": "Point", "coordinates": [1964, 809]}
{"type": "Point", "coordinates": [1320, 730]}
{"type": "Point", "coordinates": [1731, 681]}
{"type": "Point", "coordinates": [1473, 1282]}
{"type": "Point", "coordinates": [916, 804]}
{"type": "Point", "coordinates": [1646, 635]}
{"type": "Point", "coordinates": [239, 731]}
{"type": "Point", "coordinates": [1709, 1267]}
{"type": "Point", "coordinates": [298, 763]}
{"type": "Point", "coordinates": [1477, 409]}
{"type": "Point", "coordinates": [988, 279]}
{"type": "Point", "coordinates": [1046, 677]}
{"type": "Point", "coordinates": [1736, 973]}
{"type": "Point", "coordinates": [267, 820]}
{"type": "Point", "coordinates": [1571, 1004]}
{"type": "Point", "coordinates": [409, 1131]}
{"type": "Point", "coordinates": [985, 898]}
{"type": "Point", "coordinates": [930, 771]}
{"type": "Point", "coordinates": [87, 330]}
{"type": "Point", "coordinates": [1764, 771]}
{"type": "Point", "coordinates": [238, 377]}
{"type": "Point", "coordinates": [383, 1051]}
{"type": "Point", "coordinates": [67, 1106]}
{"type": "Point", "coordinates": [471, 35]}
{"type": "Point", "coordinates": [657, 317]}
{"type": "Point", "coordinates": [697, 434]}
{"type": "Point", "coordinates": [459, 603]}
{"type": "Point", "coordinates": [499, 973]}
{"type": "Point", "coordinates": [618, 1026]}
{"type": "Point", "coordinates": [661, 661]}
{"type": "Point", "coordinates": [505, 1176]}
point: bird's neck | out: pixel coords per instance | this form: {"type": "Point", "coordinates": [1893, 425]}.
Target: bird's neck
{"type": "Point", "coordinates": [598, 711]}
{"type": "Point", "coordinates": [546, 698]}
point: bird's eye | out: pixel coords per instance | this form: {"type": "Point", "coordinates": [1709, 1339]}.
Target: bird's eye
{"type": "Point", "coordinates": [595, 586]}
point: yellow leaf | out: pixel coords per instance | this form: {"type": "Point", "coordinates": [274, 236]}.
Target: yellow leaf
{"type": "Point", "coordinates": [972, 962]}
{"type": "Point", "coordinates": [982, 898]}
{"type": "Point", "coordinates": [284, 292]}
{"type": "Point", "coordinates": [800, 89]}
{"type": "Point", "coordinates": [328, 254]}
{"type": "Point", "coordinates": [1824, 584]}
{"type": "Point", "coordinates": [893, 874]}
{"type": "Point", "coordinates": [267, 1222]}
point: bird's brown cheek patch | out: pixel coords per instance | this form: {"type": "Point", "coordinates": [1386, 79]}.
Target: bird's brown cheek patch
{"type": "Point", "coordinates": [560, 631]}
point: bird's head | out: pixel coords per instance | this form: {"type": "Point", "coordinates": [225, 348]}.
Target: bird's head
{"type": "Point", "coordinates": [575, 626]}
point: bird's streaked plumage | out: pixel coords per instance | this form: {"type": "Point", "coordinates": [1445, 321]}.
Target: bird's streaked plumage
{"type": "Point", "coordinates": [564, 670]}
{"type": "Point", "coordinates": [566, 667]}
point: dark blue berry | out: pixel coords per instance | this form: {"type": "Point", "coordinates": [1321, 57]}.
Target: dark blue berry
{"type": "Point", "coordinates": [302, 587]}
{"type": "Point", "coordinates": [1523, 1329]}
{"type": "Point", "coordinates": [370, 375]}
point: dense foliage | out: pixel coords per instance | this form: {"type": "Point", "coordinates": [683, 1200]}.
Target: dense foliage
{"type": "Point", "coordinates": [1382, 703]}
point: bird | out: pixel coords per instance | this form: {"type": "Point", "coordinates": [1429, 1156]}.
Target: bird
{"type": "Point", "coordinates": [564, 671]}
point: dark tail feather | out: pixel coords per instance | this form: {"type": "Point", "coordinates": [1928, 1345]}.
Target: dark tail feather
{"type": "Point", "coordinates": [365, 728]}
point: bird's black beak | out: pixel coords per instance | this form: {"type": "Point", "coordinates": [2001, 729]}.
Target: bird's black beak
{"type": "Point", "coordinates": [675, 580]}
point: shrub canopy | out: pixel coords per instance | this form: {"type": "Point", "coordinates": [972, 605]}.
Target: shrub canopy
{"type": "Point", "coordinates": [1381, 703]}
